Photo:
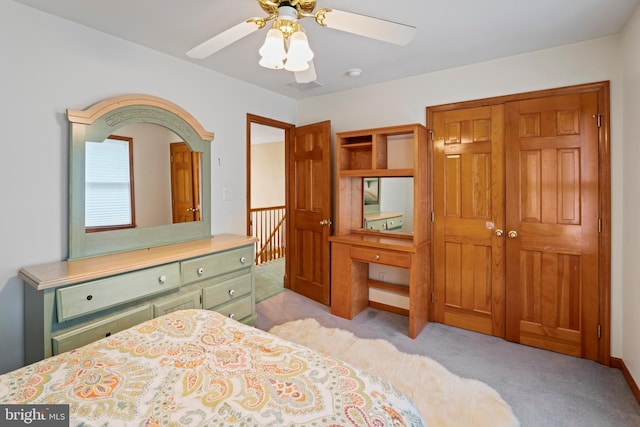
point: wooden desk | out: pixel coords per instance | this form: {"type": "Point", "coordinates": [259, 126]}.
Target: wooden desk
{"type": "Point", "coordinates": [351, 255]}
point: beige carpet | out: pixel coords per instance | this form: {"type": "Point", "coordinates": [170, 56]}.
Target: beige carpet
{"type": "Point", "coordinates": [444, 399]}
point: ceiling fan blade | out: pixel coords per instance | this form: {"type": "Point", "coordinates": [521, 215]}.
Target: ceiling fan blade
{"type": "Point", "coordinates": [374, 28]}
{"type": "Point", "coordinates": [223, 40]}
{"type": "Point", "coordinates": [306, 76]}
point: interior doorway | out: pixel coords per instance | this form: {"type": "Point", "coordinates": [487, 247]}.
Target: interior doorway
{"type": "Point", "coordinates": [266, 194]}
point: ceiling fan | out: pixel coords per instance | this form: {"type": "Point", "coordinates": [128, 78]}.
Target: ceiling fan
{"type": "Point", "coordinates": [286, 45]}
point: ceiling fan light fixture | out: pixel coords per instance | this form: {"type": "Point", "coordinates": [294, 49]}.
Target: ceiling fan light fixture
{"type": "Point", "coordinates": [272, 51]}
{"type": "Point", "coordinates": [299, 53]}
{"type": "Point", "coordinates": [286, 45]}
{"type": "Point", "coordinates": [270, 63]}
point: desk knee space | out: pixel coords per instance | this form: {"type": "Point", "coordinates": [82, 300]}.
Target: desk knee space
{"type": "Point", "coordinates": [350, 278]}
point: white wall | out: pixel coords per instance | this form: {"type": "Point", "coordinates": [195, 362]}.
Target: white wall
{"type": "Point", "coordinates": [631, 202]}
{"type": "Point", "coordinates": [267, 171]}
{"type": "Point", "coordinates": [405, 101]}
{"type": "Point", "coordinates": [49, 65]}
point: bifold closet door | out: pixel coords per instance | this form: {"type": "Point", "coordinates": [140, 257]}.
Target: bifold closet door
{"type": "Point", "coordinates": [468, 176]}
{"type": "Point", "coordinates": [552, 223]}
{"type": "Point", "coordinates": [516, 221]}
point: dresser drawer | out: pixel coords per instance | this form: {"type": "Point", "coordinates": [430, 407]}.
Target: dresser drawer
{"type": "Point", "coordinates": [100, 329]}
{"type": "Point", "coordinates": [216, 264]}
{"type": "Point", "coordinates": [381, 256]}
{"type": "Point", "coordinates": [376, 224]}
{"type": "Point", "coordinates": [238, 309]}
{"type": "Point", "coordinates": [78, 300]}
{"type": "Point", "coordinates": [226, 291]}
{"type": "Point", "coordinates": [186, 301]}
{"type": "Point", "coordinates": [395, 223]}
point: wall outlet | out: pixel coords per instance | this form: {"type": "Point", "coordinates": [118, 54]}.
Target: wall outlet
{"type": "Point", "coordinates": [227, 194]}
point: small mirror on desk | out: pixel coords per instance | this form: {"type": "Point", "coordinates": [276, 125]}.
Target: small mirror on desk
{"type": "Point", "coordinates": [388, 204]}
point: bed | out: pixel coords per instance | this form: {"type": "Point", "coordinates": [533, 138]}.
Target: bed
{"type": "Point", "coordinates": [199, 368]}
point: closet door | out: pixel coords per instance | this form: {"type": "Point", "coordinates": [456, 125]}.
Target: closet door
{"type": "Point", "coordinates": [552, 223]}
{"type": "Point", "coordinates": [468, 177]}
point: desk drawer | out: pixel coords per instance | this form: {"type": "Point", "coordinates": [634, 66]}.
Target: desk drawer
{"type": "Point", "coordinates": [100, 329]}
{"type": "Point", "coordinates": [237, 310]}
{"type": "Point", "coordinates": [78, 300]}
{"type": "Point", "coordinates": [226, 291]}
{"type": "Point", "coordinates": [216, 264]}
{"type": "Point", "coordinates": [381, 256]}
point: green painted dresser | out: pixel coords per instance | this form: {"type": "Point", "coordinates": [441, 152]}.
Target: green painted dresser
{"type": "Point", "coordinates": [72, 303]}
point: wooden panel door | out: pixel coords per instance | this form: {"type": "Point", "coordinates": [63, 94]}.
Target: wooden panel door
{"type": "Point", "coordinates": [468, 153]}
{"type": "Point", "coordinates": [185, 183]}
{"type": "Point", "coordinates": [310, 208]}
{"type": "Point", "coordinates": [552, 223]}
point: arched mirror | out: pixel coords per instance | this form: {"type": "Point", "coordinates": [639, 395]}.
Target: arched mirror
{"type": "Point", "coordinates": [139, 176]}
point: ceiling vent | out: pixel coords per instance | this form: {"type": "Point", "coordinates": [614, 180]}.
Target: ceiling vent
{"type": "Point", "coordinates": [304, 86]}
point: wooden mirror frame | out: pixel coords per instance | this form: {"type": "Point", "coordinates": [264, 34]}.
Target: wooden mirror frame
{"type": "Point", "coordinates": [99, 121]}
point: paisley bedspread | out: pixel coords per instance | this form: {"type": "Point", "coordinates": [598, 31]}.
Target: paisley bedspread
{"type": "Point", "coordinates": [199, 368]}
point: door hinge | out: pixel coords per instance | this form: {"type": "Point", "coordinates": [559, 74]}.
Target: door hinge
{"type": "Point", "coordinates": [433, 297]}
{"type": "Point", "coordinates": [433, 216]}
{"type": "Point", "coordinates": [432, 134]}
{"type": "Point", "coordinates": [599, 331]}
{"type": "Point", "coordinates": [598, 118]}
{"type": "Point", "coordinates": [599, 225]}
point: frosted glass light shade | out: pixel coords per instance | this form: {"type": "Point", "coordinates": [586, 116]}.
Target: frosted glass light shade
{"type": "Point", "coordinates": [273, 64]}
{"type": "Point", "coordinates": [272, 51]}
{"type": "Point", "coordinates": [299, 53]}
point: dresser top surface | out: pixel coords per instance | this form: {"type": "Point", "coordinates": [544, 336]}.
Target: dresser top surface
{"type": "Point", "coordinates": [51, 275]}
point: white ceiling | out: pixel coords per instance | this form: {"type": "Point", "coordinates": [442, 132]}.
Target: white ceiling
{"type": "Point", "coordinates": [449, 33]}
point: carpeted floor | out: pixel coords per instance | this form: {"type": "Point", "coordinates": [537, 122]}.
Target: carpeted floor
{"type": "Point", "coordinates": [543, 388]}
{"type": "Point", "coordinates": [443, 398]}
{"type": "Point", "coordinates": [269, 279]}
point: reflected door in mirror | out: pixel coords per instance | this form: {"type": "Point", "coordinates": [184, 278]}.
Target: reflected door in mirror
{"type": "Point", "coordinates": [185, 183]}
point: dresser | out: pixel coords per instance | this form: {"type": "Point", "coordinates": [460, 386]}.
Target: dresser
{"type": "Point", "coordinates": [384, 221]}
{"type": "Point", "coordinates": [72, 303]}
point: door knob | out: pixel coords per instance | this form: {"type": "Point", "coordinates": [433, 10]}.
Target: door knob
{"type": "Point", "coordinates": [512, 234]}
{"type": "Point", "coordinates": [499, 233]}
{"type": "Point", "coordinates": [325, 222]}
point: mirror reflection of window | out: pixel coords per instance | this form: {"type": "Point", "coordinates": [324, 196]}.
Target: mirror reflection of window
{"type": "Point", "coordinates": [167, 189]}
{"type": "Point", "coordinates": [109, 195]}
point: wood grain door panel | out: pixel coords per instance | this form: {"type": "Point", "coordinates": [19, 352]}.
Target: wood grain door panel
{"type": "Point", "coordinates": [552, 203]}
{"type": "Point", "coordinates": [185, 183]}
{"type": "Point", "coordinates": [468, 208]}
{"type": "Point", "coordinates": [310, 205]}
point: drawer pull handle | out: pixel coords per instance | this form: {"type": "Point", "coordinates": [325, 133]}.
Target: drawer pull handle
{"type": "Point", "coordinates": [377, 257]}
{"type": "Point", "coordinates": [200, 271]}
{"type": "Point", "coordinates": [89, 297]}
{"type": "Point", "coordinates": [243, 260]}
{"type": "Point", "coordinates": [232, 316]}
{"type": "Point", "coordinates": [162, 279]}
{"type": "Point", "coordinates": [231, 292]}
{"type": "Point", "coordinates": [108, 334]}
